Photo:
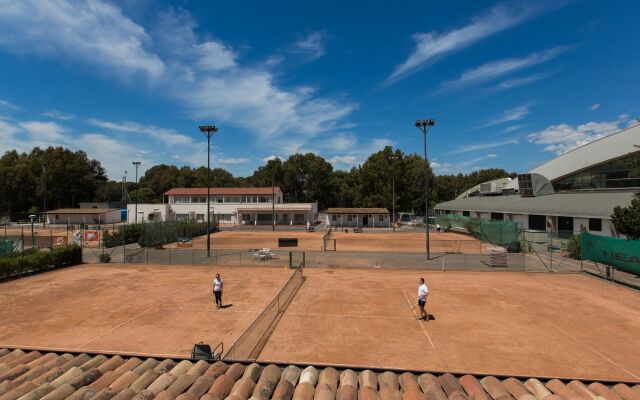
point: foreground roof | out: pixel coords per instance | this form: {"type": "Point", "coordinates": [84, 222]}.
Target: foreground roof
{"type": "Point", "coordinates": [81, 211]}
{"type": "Point", "coordinates": [278, 207]}
{"type": "Point", "coordinates": [584, 204]}
{"type": "Point", "coordinates": [54, 376]}
{"type": "Point", "coordinates": [357, 211]}
{"type": "Point", "coordinates": [221, 191]}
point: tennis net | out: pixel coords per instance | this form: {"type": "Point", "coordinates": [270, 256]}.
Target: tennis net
{"type": "Point", "coordinates": [252, 341]}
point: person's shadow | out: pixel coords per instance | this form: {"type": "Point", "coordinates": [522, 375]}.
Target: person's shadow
{"type": "Point", "coordinates": [431, 317]}
{"type": "Point", "coordinates": [226, 305]}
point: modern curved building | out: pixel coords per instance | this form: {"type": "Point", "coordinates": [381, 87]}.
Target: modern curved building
{"type": "Point", "coordinates": [575, 190]}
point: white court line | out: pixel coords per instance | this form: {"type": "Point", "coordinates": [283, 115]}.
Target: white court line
{"type": "Point", "coordinates": [586, 345]}
{"type": "Point", "coordinates": [346, 315]}
{"type": "Point", "coordinates": [209, 309]}
{"type": "Point", "coordinates": [421, 325]}
{"type": "Point", "coordinates": [127, 321]}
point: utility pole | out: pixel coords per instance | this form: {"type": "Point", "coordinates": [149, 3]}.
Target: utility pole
{"type": "Point", "coordinates": [208, 131]}
{"type": "Point", "coordinates": [423, 125]}
{"type": "Point", "coordinates": [137, 164]}
{"type": "Point", "coordinates": [393, 189]}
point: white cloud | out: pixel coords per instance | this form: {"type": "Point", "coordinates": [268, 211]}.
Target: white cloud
{"type": "Point", "coordinates": [205, 75]}
{"type": "Point", "coordinates": [484, 146]}
{"type": "Point", "coordinates": [496, 69]}
{"type": "Point", "coordinates": [311, 45]}
{"type": "Point", "coordinates": [9, 106]}
{"type": "Point", "coordinates": [462, 166]}
{"type": "Point", "coordinates": [564, 137]}
{"type": "Point", "coordinates": [510, 115]}
{"type": "Point", "coordinates": [594, 107]}
{"type": "Point", "coordinates": [433, 44]}
{"type": "Point", "coordinates": [348, 161]}
{"type": "Point", "coordinates": [271, 157]}
{"type": "Point", "coordinates": [55, 114]}
{"type": "Point", "coordinates": [44, 132]}
{"type": "Point", "coordinates": [93, 32]}
{"type": "Point", "coordinates": [234, 160]}
{"type": "Point", "coordinates": [513, 128]}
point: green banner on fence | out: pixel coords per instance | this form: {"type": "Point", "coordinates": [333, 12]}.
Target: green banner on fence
{"type": "Point", "coordinates": [620, 253]}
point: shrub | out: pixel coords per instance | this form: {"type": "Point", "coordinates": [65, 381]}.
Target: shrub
{"type": "Point", "coordinates": [573, 246]}
{"type": "Point", "coordinates": [31, 261]}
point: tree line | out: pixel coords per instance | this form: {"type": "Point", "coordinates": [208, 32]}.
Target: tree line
{"type": "Point", "coordinates": [57, 177]}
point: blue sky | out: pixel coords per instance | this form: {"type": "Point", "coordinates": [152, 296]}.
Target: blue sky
{"type": "Point", "coordinates": [510, 83]}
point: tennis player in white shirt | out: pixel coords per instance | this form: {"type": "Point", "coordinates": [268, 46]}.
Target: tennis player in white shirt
{"type": "Point", "coordinates": [423, 292]}
{"type": "Point", "coordinates": [218, 285]}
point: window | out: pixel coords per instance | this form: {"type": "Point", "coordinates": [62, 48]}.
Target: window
{"type": "Point", "coordinates": [380, 217]}
{"type": "Point", "coordinates": [349, 217]}
{"type": "Point", "coordinates": [182, 217]}
{"type": "Point", "coordinates": [199, 217]}
{"type": "Point", "coordinates": [219, 199]}
{"type": "Point", "coordinates": [194, 199]}
{"type": "Point", "coordinates": [497, 216]}
{"type": "Point", "coordinates": [538, 222]}
{"type": "Point", "coordinates": [334, 218]}
{"type": "Point", "coordinates": [623, 172]}
{"type": "Point", "coordinates": [595, 224]}
{"type": "Point", "coordinates": [262, 199]}
{"type": "Point", "coordinates": [466, 214]}
{"type": "Point", "coordinates": [202, 199]}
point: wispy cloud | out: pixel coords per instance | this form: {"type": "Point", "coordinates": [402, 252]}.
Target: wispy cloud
{"type": "Point", "coordinates": [497, 69]}
{"type": "Point", "coordinates": [483, 146]}
{"type": "Point", "coordinates": [564, 137]}
{"type": "Point", "coordinates": [462, 166]}
{"type": "Point", "coordinates": [55, 114]}
{"type": "Point", "coordinates": [510, 115]}
{"type": "Point", "coordinates": [431, 45]}
{"type": "Point", "coordinates": [206, 76]}
{"type": "Point", "coordinates": [232, 160]}
{"type": "Point", "coordinates": [9, 106]}
{"type": "Point", "coordinates": [311, 45]}
{"type": "Point", "coordinates": [594, 107]}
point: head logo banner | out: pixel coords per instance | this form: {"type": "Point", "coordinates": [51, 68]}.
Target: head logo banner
{"type": "Point", "coordinates": [620, 253]}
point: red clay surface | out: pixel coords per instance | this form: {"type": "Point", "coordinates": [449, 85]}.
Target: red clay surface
{"type": "Point", "coordinates": [366, 241]}
{"type": "Point", "coordinates": [538, 324]}
{"type": "Point", "coordinates": [159, 310]}
{"type": "Point", "coordinates": [491, 323]}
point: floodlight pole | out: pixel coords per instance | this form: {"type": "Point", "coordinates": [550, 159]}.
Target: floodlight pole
{"type": "Point", "coordinates": [137, 164]}
{"type": "Point", "coordinates": [273, 204]}
{"type": "Point", "coordinates": [208, 131]}
{"type": "Point", "coordinates": [423, 125]}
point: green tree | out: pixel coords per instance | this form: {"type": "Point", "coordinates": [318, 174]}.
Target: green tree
{"type": "Point", "coordinates": [307, 177]}
{"type": "Point", "coordinates": [627, 219]}
{"type": "Point", "coordinates": [17, 184]}
{"type": "Point", "coordinates": [271, 172]}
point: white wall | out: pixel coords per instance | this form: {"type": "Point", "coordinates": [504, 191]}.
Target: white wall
{"type": "Point", "coordinates": [109, 217]}
{"type": "Point", "coordinates": [357, 220]}
{"type": "Point", "coordinates": [147, 212]}
{"type": "Point", "coordinates": [523, 219]}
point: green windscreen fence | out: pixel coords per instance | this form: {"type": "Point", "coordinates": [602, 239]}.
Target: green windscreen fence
{"type": "Point", "coordinates": [6, 248]}
{"type": "Point", "coordinates": [620, 253]}
{"type": "Point", "coordinates": [502, 233]}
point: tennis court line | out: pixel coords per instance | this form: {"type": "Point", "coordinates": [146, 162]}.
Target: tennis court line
{"type": "Point", "coordinates": [127, 321]}
{"type": "Point", "coordinates": [210, 309]}
{"type": "Point", "coordinates": [345, 315]}
{"type": "Point", "coordinates": [586, 345]}
{"type": "Point", "coordinates": [421, 325]}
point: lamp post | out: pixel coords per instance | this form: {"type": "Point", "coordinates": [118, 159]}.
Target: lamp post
{"type": "Point", "coordinates": [423, 125]}
{"type": "Point", "coordinates": [44, 193]}
{"type": "Point", "coordinates": [393, 190]}
{"type": "Point", "coordinates": [137, 164]}
{"type": "Point", "coordinates": [273, 204]}
{"type": "Point", "coordinates": [208, 131]}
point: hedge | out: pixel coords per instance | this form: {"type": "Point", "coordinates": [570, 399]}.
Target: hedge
{"type": "Point", "coordinates": [27, 262]}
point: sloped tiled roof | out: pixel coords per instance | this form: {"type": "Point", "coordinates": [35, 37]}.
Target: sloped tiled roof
{"type": "Point", "coordinates": [357, 211]}
{"type": "Point", "coordinates": [221, 191]}
{"type": "Point", "coordinates": [31, 375]}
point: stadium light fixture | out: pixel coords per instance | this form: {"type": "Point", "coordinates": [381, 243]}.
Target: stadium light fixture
{"type": "Point", "coordinates": [424, 125]}
{"type": "Point", "coordinates": [137, 164]}
{"type": "Point", "coordinates": [208, 131]}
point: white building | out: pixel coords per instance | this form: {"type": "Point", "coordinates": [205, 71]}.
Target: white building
{"type": "Point", "coordinates": [75, 216]}
{"type": "Point", "coordinates": [578, 189]}
{"type": "Point", "coordinates": [358, 217]}
{"type": "Point", "coordinates": [246, 206]}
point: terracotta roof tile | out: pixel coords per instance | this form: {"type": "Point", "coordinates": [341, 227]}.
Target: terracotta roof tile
{"type": "Point", "coordinates": [221, 191]}
{"type": "Point", "coordinates": [34, 375]}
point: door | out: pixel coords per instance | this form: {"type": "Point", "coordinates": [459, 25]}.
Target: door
{"type": "Point", "coordinates": [565, 226]}
{"type": "Point", "coordinates": [365, 220]}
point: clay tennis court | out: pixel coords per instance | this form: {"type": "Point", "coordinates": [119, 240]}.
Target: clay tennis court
{"type": "Point", "coordinates": [133, 309]}
{"type": "Point", "coordinates": [369, 240]}
{"type": "Point", "coordinates": [531, 324]}
{"type": "Point", "coordinates": [535, 324]}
